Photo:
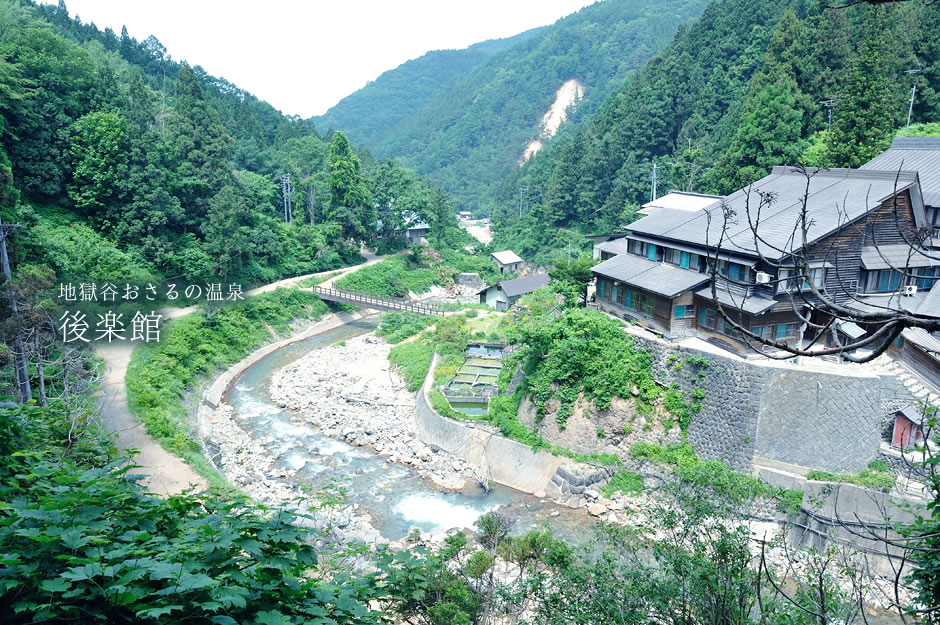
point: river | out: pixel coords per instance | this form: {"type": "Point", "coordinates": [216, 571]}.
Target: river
{"type": "Point", "coordinates": [396, 498]}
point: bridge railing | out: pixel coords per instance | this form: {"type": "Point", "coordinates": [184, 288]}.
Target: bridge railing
{"type": "Point", "coordinates": [371, 300]}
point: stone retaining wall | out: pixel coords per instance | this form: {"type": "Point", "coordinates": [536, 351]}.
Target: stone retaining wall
{"type": "Point", "coordinates": [814, 418]}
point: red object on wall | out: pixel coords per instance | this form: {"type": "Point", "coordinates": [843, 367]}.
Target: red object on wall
{"type": "Point", "coordinates": [907, 434]}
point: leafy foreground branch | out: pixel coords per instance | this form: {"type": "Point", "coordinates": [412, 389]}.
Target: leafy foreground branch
{"type": "Point", "coordinates": [82, 542]}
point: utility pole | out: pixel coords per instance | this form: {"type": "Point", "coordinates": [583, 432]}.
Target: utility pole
{"type": "Point", "coordinates": [910, 106]}
{"type": "Point", "coordinates": [653, 186]}
{"type": "Point", "coordinates": [19, 355]}
{"type": "Point", "coordinates": [522, 192]}
{"type": "Point", "coordinates": [286, 191]}
{"type": "Point", "coordinates": [828, 104]}
{"type": "Point", "coordinates": [312, 196]}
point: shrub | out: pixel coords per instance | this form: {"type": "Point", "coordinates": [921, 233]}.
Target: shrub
{"type": "Point", "coordinates": [413, 360]}
{"type": "Point", "coordinates": [396, 326]}
{"type": "Point", "coordinates": [624, 482]}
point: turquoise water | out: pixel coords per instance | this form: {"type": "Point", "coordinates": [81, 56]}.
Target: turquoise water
{"type": "Point", "coordinates": [394, 495]}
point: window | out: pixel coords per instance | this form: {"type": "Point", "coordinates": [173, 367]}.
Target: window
{"type": "Point", "coordinates": [786, 331]}
{"type": "Point", "coordinates": [889, 280]}
{"type": "Point", "coordinates": [613, 293]}
{"type": "Point", "coordinates": [933, 216]}
{"type": "Point", "coordinates": [646, 304]}
{"type": "Point", "coordinates": [636, 247]}
{"type": "Point", "coordinates": [684, 260]}
{"type": "Point", "coordinates": [762, 331]}
{"type": "Point", "coordinates": [727, 329]}
{"type": "Point", "coordinates": [622, 294]}
{"type": "Point", "coordinates": [683, 312]}
{"type": "Point", "coordinates": [707, 318]}
{"type": "Point", "coordinates": [651, 252]}
{"type": "Point", "coordinates": [925, 280]}
{"type": "Point", "coordinates": [601, 286]}
{"type": "Point", "coordinates": [627, 298]}
{"type": "Point", "coordinates": [787, 279]}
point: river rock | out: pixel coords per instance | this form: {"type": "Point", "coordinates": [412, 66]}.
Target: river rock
{"type": "Point", "coordinates": [597, 509]}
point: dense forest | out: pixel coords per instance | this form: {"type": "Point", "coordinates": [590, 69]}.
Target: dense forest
{"type": "Point", "coordinates": [123, 164]}
{"type": "Point", "coordinates": [477, 129]}
{"type": "Point", "coordinates": [742, 89]}
{"type": "Point", "coordinates": [369, 115]}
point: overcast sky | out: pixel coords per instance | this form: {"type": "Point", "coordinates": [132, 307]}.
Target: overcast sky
{"type": "Point", "coordinates": [304, 56]}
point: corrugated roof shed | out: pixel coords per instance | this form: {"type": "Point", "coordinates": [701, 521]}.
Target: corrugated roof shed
{"type": "Point", "coordinates": [650, 275]}
{"type": "Point", "coordinates": [616, 246]}
{"type": "Point", "coordinates": [923, 339]}
{"type": "Point", "coordinates": [680, 200]}
{"type": "Point", "coordinates": [920, 154]}
{"type": "Point", "coordinates": [506, 257]}
{"type": "Point", "coordinates": [521, 286]}
{"type": "Point", "coordinates": [834, 196]}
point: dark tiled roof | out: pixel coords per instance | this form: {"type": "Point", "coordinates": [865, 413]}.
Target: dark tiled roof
{"type": "Point", "coordinates": [920, 154]}
{"type": "Point", "coordinates": [614, 246]}
{"type": "Point", "coordinates": [650, 275]}
{"type": "Point", "coordinates": [834, 196]}
{"type": "Point", "coordinates": [753, 305]}
{"type": "Point", "coordinates": [896, 257]}
{"type": "Point", "coordinates": [521, 286]}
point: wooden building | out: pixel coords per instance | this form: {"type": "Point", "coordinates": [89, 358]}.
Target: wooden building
{"type": "Point", "coordinates": [858, 221]}
{"type": "Point", "coordinates": [505, 293]}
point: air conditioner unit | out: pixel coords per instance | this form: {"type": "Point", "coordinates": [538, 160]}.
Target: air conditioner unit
{"type": "Point", "coordinates": [762, 277]}
{"type": "Point", "coordinates": [910, 289]}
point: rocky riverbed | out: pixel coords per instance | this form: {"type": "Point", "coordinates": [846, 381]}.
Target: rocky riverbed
{"type": "Point", "coordinates": [348, 391]}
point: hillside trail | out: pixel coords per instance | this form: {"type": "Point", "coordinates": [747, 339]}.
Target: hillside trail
{"type": "Point", "coordinates": [166, 474]}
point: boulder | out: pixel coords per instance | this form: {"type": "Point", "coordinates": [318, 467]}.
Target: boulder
{"type": "Point", "coordinates": [597, 509]}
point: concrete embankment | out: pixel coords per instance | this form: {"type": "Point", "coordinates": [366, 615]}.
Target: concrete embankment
{"type": "Point", "coordinates": [504, 461]}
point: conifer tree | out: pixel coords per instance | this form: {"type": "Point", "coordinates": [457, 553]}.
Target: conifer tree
{"type": "Point", "coordinates": [867, 111]}
{"type": "Point", "coordinates": [199, 149]}
{"type": "Point", "coordinates": [350, 200]}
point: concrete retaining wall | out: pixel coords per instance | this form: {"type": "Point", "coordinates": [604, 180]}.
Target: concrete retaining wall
{"type": "Point", "coordinates": [505, 461]}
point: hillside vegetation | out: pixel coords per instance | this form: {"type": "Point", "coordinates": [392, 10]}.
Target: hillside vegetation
{"type": "Point", "coordinates": [370, 114]}
{"type": "Point", "coordinates": [735, 93]}
{"type": "Point", "coordinates": [472, 133]}
{"type": "Point", "coordinates": [123, 164]}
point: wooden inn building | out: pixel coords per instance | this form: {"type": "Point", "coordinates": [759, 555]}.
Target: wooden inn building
{"type": "Point", "coordinates": [860, 224]}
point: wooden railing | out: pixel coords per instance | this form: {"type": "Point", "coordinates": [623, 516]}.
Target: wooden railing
{"type": "Point", "coordinates": [365, 299]}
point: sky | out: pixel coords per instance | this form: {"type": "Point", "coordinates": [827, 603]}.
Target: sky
{"type": "Point", "coordinates": [304, 56]}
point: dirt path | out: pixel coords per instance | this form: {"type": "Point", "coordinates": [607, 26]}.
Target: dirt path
{"type": "Point", "coordinates": [167, 473]}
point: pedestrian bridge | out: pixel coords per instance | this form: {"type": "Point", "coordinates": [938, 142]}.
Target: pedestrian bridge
{"type": "Point", "coordinates": [364, 299]}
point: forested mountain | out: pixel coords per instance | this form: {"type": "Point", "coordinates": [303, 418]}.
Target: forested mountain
{"type": "Point", "coordinates": [123, 165]}
{"type": "Point", "coordinates": [740, 90]}
{"type": "Point", "coordinates": [471, 134]}
{"type": "Point", "coordinates": [367, 116]}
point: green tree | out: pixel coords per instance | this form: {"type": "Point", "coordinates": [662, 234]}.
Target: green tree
{"type": "Point", "coordinates": [771, 133]}
{"type": "Point", "coordinates": [198, 149]}
{"type": "Point", "coordinates": [573, 278]}
{"type": "Point", "coordinates": [99, 155]}
{"type": "Point", "coordinates": [60, 77]}
{"type": "Point", "coordinates": [350, 200]}
{"type": "Point", "coordinates": [867, 112]}
{"type": "Point", "coordinates": [228, 229]}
